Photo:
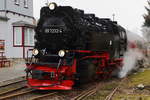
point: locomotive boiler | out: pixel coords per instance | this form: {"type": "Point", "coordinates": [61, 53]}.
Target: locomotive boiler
{"type": "Point", "coordinates": [73, 48]}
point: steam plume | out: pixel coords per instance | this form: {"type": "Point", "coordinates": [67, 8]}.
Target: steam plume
{"type": "Point", "coordinates": [146, 31]}
{"type": "Point", "coordinates": [133, 54]}
{"type": "Point", "coordinates": [130, 59]}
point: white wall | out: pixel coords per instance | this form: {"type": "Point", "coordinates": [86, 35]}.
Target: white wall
{"type": "Point", "coordinates": [3, 29]}
{"type": "Point", "coordinates": [2, 4]}
{"type": "Point", "coordinates": [10, 51]}
{"type": "Point", "coordinates": [11, 6]}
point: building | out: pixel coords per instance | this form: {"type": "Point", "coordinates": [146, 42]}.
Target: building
{"type": "Point", "coordinates": [17, 27]}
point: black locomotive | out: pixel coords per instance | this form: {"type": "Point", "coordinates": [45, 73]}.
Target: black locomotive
{"type": "Point", "coordinates": [73, 47]}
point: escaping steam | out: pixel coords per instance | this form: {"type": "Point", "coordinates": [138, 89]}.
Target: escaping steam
{"type": "Point", "coordinates": [146, 31]}
{"type": "Point", "coordinates": [133, 54]}
{"type": "Point", "coordinates": [130, 60]}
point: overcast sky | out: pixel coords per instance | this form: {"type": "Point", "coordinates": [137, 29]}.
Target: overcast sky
{"type": "Point", "coordinates": [128, 13]}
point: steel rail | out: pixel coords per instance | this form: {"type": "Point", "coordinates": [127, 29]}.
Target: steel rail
{"type": "Point", "coordinates": [15, 95]}
{"type": "Point", "coordinates": [109, 97]}
{"type": "Point", "coordinates": [11, 90]}
{"type": "Point", "coordinates": [11, 82]}
{"type": "Point", "coordinates": [42, 96]}
{"type": "Point", "coordinates": [85, 94]}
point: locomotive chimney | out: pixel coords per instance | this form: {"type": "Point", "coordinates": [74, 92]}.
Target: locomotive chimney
{"type": "Point", "coordinates": [113, 17]}
{"type": "Point", "coordinates": [47, 3]}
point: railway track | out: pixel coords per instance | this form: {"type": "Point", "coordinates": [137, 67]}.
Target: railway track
{"type": "Point", "coordinates": [42, 96]}
{"type": "Point", "coordinates": [110, 96]}
{"type": "Point", "coordinates": [12, 85]}
{"type": "Point", "coordinates": [11, 82]}
{"type": "Point", "coordinates": [11, 90]}
{"type": "Point", "coordinates": [14, 94]}
{"type": "Point", "coordinates": [16, 89]}
{"type": "Point", "coordinates": [11, 96]}
{"type": "Point", "coordinates": [85, 94]}
{"type": "Point", "coordinates": [31, 94]}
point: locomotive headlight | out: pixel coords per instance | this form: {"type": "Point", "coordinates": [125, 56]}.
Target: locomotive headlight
{"type": "Point", "coordinates": [61, 53]}
{"type": "Point", "coordinates": [35, 52]}
{"type": "Point", "coordinates": [52, 6]}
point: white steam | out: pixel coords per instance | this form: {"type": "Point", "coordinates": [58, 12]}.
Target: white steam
{"type": "Point", "coordinates": [133, 54]}
{"type": "Point", "coordinates": [146, 33]}
{"type": "Point", "coordinates": [130, 60]}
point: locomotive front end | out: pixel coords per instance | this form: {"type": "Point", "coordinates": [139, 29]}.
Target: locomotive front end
{"type": "Point", "coordinates": [52, 72]}
{"type": "Point", "coordinates": [52, 66]}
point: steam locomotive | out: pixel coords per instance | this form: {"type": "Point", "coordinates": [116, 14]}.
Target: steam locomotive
{"type": "Point", "coordinates": [73, 48]}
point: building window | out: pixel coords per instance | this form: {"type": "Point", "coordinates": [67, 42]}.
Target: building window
{"type": "Point", "coordinates": [17, 2]}
{"type": "Point", "coordinates": [26, 3]}
{"type": "Point", "coordinates": [29, 36]}
{"type": "Point", "coordinates": [17, 36]}
{"type": "Point", "coordinates": [23, 36]}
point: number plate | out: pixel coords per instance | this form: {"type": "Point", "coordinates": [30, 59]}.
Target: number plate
{"type": "Point", "coordinates": [53, 30]}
